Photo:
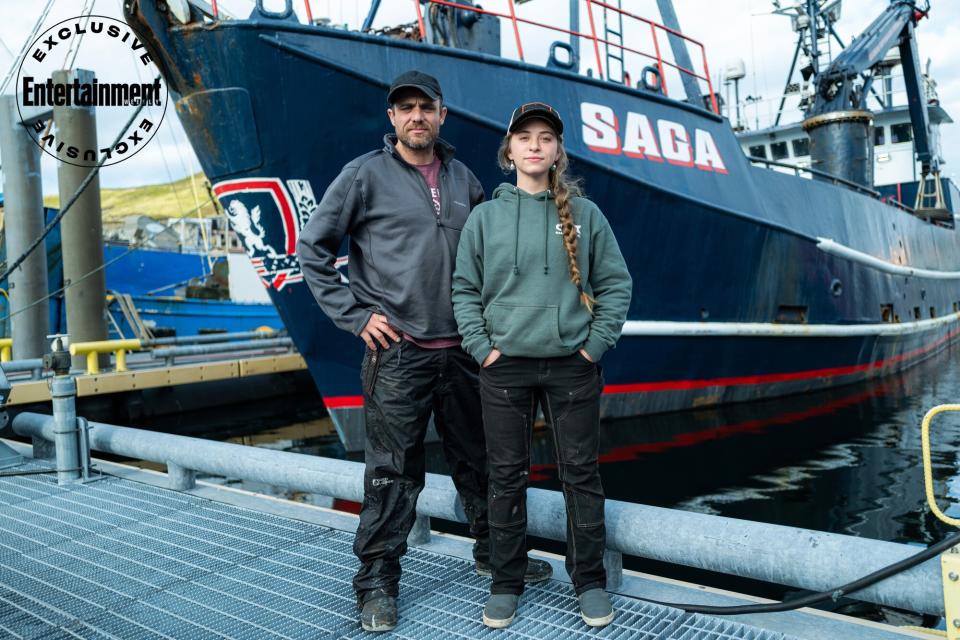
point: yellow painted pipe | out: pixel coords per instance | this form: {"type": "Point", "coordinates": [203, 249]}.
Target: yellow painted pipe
{"type": "Point", "coordinates": [93, 349]}
{"type": "Point", "coordinates": [103, 346]}
{"type": "Point", "coordinates": [6, 349]}
{"type": "Point", "coordinates": [93, 361]}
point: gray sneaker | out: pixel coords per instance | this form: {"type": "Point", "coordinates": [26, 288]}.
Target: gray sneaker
{"type": "Point", "coordinates": [595, 608]}
{"type": "Point", "coordinates": [379, 614]}
{"type": "Point", "coordinates": [500, 610]}
{"type": "Point", "coordinates": [537, 570]}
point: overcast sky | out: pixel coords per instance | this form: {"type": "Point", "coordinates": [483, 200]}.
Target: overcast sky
{"type": "Point", "coordinates": [730, 29]}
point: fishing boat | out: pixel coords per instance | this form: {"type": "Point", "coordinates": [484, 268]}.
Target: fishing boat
{"type": "Point", "coordinates": [182, 288]}
{"type": "Point", "coordinates": [749, 282]}
{"type": "Point", "coordinates": [771, 130]}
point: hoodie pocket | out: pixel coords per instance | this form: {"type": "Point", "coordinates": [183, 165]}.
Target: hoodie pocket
{"type": "Point", "coordinates": [525, 329]}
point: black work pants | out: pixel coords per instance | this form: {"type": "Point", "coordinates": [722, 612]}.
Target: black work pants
{"type": "Point", "coordinates": [402, 386]}
{"type": "Point", "coordinates": [568, 389]}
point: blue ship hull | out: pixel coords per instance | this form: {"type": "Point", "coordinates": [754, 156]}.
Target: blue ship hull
{"type": "Point", "coordinates": [193, 316]}
{"type": "Point", "coordinates": [748, 283]}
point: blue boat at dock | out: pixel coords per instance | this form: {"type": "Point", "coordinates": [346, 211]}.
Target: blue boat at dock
{"type": "Point", "coordinates": [143, 274]}
{"type": "Point", "coordinates": [748, 282]}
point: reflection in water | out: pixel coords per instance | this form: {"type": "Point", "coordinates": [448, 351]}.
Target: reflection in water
{"type": "Point", "coordinates": [845, 460]}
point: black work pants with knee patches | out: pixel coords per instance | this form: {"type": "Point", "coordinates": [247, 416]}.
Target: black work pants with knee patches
{"type": "Point", "coordinates": [568, 389]}
{"type": "Point", "coordinates": [402, 386]}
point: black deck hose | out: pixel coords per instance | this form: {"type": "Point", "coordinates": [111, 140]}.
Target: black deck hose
{"type": "Point", "coordinates": [821, 596]}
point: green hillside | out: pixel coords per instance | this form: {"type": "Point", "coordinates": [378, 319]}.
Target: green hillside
{"type": "Point", "coordinates": [155, 200]}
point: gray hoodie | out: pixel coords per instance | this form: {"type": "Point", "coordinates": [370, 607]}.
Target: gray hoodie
{"type": "Point", "coordinates": [402, 255]}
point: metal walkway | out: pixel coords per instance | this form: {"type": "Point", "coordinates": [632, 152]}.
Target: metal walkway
{"type": "Point", "coordinates": [122, 559]}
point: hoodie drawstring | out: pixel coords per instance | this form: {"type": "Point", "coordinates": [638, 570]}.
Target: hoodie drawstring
{"type": "Point", "coordinates": [516, 236]}
{"type": "Point", "coordinates": [546, 232]}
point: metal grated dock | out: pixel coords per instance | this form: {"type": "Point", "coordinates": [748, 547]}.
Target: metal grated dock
{"type": "Point", "coordinates": [119, 559]}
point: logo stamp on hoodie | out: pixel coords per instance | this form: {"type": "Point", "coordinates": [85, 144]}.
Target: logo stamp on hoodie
{"type": "Point", "coordinates": [559, 229]}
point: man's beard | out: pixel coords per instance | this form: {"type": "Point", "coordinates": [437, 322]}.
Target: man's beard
{"type": "Point", "coordinates": [426, 143]}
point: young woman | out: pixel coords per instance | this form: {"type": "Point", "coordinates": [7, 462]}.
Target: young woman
{"type": "Point", "coordinates": [540, 292]}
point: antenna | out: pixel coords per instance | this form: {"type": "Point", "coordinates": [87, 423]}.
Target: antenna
{"type": "Point", "coordinates": [735, 72]}
{"type": "Point", "coordinates": [813, 21]}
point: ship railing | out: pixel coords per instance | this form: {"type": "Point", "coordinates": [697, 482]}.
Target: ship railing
{"type": "Point", "coordinates": [650, 68]}
{"type": "Point", "coordinates": [899, 205]}
{"type": "Point", "coordinates": [647, 58]}
{"type": "Point", "coordinates": [829, 177]}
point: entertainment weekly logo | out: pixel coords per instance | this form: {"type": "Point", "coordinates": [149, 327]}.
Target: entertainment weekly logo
{"type": "Point", "coordinates": [115, 90]}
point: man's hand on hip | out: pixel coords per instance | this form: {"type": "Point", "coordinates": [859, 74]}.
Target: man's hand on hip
{"type": "Point", "coordinates": [380, 330]}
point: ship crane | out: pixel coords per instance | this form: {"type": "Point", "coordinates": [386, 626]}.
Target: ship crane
{"type": "Point", "coordinates": [839, 123]}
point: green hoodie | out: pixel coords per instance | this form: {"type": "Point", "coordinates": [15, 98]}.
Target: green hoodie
{"type": "Point", "coordinates": [512, 289]}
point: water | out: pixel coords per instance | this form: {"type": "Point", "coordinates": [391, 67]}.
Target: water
{"type": "Point", "coordinates": [847, 460]}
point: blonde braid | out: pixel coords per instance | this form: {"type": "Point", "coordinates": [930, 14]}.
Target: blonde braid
{"type": "Point", "coordinates": [564, 188]}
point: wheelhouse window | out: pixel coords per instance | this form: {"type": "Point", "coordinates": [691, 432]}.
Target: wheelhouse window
{"type": "Point", "coordinates": [902, 132]}
{"type": "Point", "coordinates": [779, 150]}
{"type": "Point", "coordinates": [759, 151]}
{"type": "Point", "coordinates": [801, 147]}
{"type": "Point", "coordinates": [878, 136]}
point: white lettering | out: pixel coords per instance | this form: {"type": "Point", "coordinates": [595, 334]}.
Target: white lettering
{"type": "Point", "coordinates": [599, 128]}
{"type": "Point", "coordinates": [675, 143]}
{"type": "Point", "coordinates": [559, 228]}
{"type": "Point", "coordinates": [707, 155]}
{"type": "Point", "coordinates": [642, 139]}
{"type": "Point", "coordinates": [638, 138]}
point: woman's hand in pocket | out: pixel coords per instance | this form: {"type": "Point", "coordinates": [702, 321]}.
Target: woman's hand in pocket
{"type": "Point", "coordinates": [586, 355]}
{"type": "Point", "coordinates": [492, 357]}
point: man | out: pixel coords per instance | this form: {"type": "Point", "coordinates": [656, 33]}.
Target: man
{"type": "Point", "coordinates": [403, 207]}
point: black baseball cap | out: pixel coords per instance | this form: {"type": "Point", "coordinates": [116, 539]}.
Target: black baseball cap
{"type": "Point", "coordinates": [535, 110]}
{"type": "Point", "coordinates": [416, 80]}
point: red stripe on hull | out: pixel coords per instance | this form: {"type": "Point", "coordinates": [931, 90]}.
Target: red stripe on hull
{"type": "Point", "coordinates": [833, 372]}
{"type": "Point", "coordinates": [356, 402]}
{"type": "Point", "coordinates": [343, 402]}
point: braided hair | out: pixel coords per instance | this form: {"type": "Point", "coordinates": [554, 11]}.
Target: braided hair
{"type": "Point", "coordinates": [564, 187]}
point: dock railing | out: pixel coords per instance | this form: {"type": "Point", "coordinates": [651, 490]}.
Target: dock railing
{"type": "Point", "coordinates": [790, 556]}
{"type": "Point", "coordinates": [165, 349]}
{"type": "Point", "coordinates": [93, 350]}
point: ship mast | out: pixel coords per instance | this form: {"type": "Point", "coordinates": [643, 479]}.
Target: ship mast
{"type": "Point", "coordinates": [813, 22]}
